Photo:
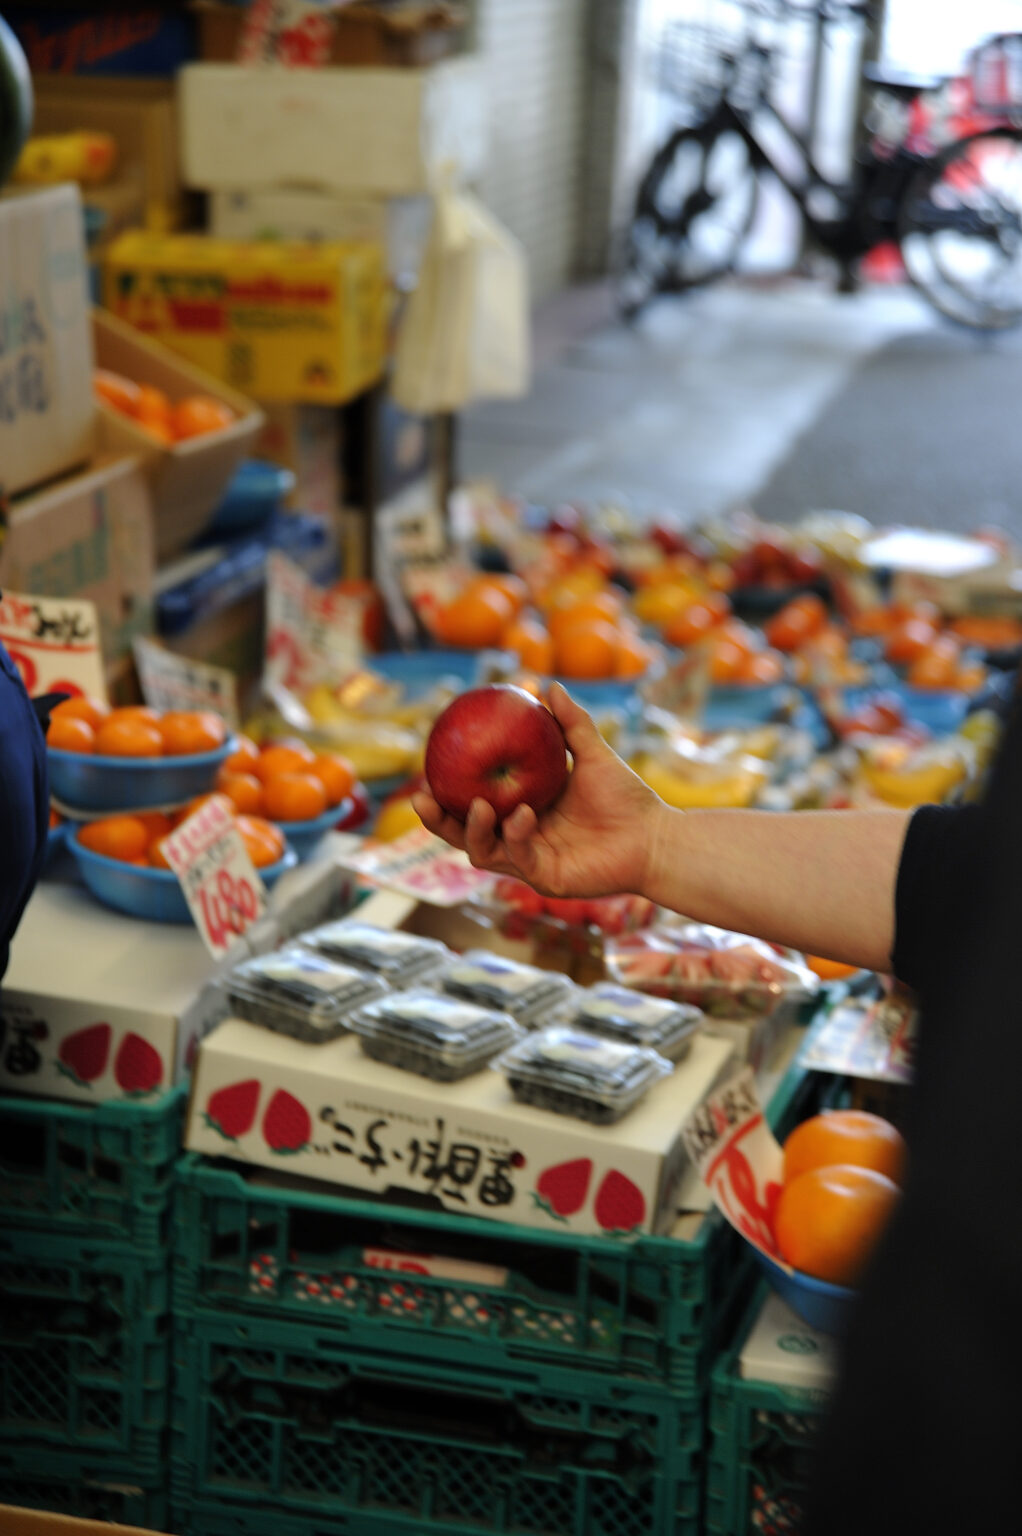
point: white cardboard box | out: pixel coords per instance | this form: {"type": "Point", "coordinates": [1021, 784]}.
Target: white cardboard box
{"type": "Point", "coordinates": [75, 965]}
{"type": "Point", "coordinates": [782, 1348]}
{"type": "Point", "coordinates": [331, 1112]}
{"type": "Point", "coordinates": [399, 224]}
{"type": "Point", "coordinates": [46, 406]}
{"type": "Point", "coordinates": [380, 131]}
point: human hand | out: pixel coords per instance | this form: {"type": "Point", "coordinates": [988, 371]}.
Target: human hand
{"type": "Point", "coordinates": [600, 838]}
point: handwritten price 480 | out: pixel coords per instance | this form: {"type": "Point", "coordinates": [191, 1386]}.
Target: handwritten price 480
{"type": "Point", "coordinates": [228, 905]}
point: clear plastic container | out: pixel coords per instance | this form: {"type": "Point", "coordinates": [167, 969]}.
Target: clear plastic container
{"type": "Point", "coordinates": [436, 1036]}
{"type": "Point", "coordinates": [525, 992]}
{"type": "Point", "coordinates": [400, 959]}
{"type": "Point", "coordinates": [299, 993]}
{"type": "Point", "coordinates": [573, 1073]}
{"type": "Point", "coordinates": [618, 1013]}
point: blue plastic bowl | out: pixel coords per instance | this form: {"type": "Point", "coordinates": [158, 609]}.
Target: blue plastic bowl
{"type": "Point", "coordinates": [305, 836]}
{"type": "Point", "coordinates": [419, 671]}
{"type": "Point", "coordinates": [54, 843]}
{"type": "Point", "coordinates": [823, 1306]}
{"type": "Point", "coordinates": [149, 893]}
{"type": "Point", "coordinates": [941, 712]}
{"type": "Point", "coordinates": [736, 708]}
{"type": "Point", "coordinates": [88, 783]}
{"type": "Point", "coordinates": [608, 693]}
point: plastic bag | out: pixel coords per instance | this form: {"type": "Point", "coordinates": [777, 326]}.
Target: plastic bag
{"type": "Point", "coordinates": [519, 912]}
{"type": "Point", "coordinates": [726, 974]}
{"type": "Point", "coordinates": [465, 333]}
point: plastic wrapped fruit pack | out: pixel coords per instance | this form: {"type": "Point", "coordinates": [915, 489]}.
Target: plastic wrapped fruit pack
{"type": "Point", "coordinates": [519, 912]}
{"type": "Point", "coordinates": [724, 973]}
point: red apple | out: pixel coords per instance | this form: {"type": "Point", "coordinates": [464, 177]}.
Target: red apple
{"type": "Point", "coordinates": [497, 744]}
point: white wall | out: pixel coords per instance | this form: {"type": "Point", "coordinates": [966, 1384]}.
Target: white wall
{"type": "Point", "coordinates": [534, 55]}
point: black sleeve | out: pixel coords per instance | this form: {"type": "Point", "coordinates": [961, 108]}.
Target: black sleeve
{"type": "Point", "coordinates": [936, 858]}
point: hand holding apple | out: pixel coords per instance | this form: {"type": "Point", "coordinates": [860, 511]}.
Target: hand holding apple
{"type": "Point", "coordinates": [597, 839]}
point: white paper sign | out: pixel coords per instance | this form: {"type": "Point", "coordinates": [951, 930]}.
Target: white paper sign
{"type": "Point", "coordinates": [872, 1040]}
{"type": "Point", "coordinates": [54, 643]}
{"type": "Point", "coordinates": [312, 633]}
{"type": "Point", "coordinates": [737, 1157]}
{"type": "Point", "coordinates": [224, 894]}
{"type": "Point", "coordinates": [175, 682]}
{"type": "Point", "coordinates": [425, 867]}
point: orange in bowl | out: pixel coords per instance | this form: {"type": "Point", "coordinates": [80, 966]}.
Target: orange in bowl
{"type": "Point", "coordinates": [264, 841]}
{"type": "Point", "coordinates": [294, 797]}
{"type": "Point", "coordinates": [127, 734]}
{"type": "Point", "coordinates": [186, 733]}
{"type": "Point", "coordinates": [116, 837]}
{"type": "Point", "coordinates": [68, 733]}
{"type": "Point", "coordinates": [336, 775]}
{"type": "Point", "coordinates": [829, 1220]}
{"type": "Point", "coordinates": [289, 756]}
{"type": "Point", "coordinates": [93, 711]}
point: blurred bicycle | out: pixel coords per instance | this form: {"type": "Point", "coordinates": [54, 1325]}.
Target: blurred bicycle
{"type": "Point", "coordinates": [937, 168]}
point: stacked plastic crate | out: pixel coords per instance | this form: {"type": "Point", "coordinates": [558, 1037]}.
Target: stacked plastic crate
{"type": "Point", "coordinates": [85, 1307]}
{"type": "Point", "coordinates": [343, 1366]}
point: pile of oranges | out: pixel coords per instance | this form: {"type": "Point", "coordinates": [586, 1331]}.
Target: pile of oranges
{"type": "Point", "coordinates": [285, 781]}
{"type": "Point", "coordinates": [166, 421]}
{"type": "Point", "coordinates": [138, 838]}
{"type": "Point", "coordinates": [842, 1176]}
{"type": "Point", "coordinates": [914, 638]}
{"type": "Point", "coordinates": [90, 726]}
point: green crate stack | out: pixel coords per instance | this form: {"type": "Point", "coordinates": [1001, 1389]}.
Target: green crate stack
{"type": "Point", "coordinates": [761, 1447]}
{"type": "Point", "coordinates": [86, 1198]}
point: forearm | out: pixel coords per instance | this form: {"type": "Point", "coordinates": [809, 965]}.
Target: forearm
{"type": "Point", "coordinates": [819, 881]}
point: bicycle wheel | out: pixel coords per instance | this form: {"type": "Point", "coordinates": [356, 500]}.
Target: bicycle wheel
{"type": "Point", "coordinates": [694, 208]}
{"type": "Point", "coordinates": [960, 230]}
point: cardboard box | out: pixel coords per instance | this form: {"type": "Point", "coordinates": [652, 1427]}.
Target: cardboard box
{"type": "Point", "coordinates": [399, 224]}
{"type": "Point", "coordinates": [411, 33]}
{"type": "Point", "coordinates": [382, 131]}
{"type": "Point", "coordinates": [141, 115]}
{"type": "Point", "coordinates": [782, 1348]}
{"type": "Point", "coordinates": [189, 478]}
{"type": "Point", "coordinates": [340, 1116]}
{"type": "Point", "coordinates": [91, 536]}
{"type": "Point", "coordinates": [37, 1522]}
{"type": "Point", "coordinates": [46, 407]}
{"type": "Point", "coordinates": [309, 441]}
{"type": "Point", "coordinates": [284, 321]}
{"type": "Point", "coordinates": [104, 37]}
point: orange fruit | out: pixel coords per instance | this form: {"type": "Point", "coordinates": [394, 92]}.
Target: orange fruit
{"type": "Point", "coordinates": [196, 415]}
{"type": "Point", "coordinates": [909, 640]}
{"type": "Point", "coordinates": [527, 636]}
{"type": "Point", "coordinates": [792, 626]}
{"type": "Point", "coordinates": [587, 650]}
{"type": "Point", "coordinates": [937, 665]}
{"type": "Point", "coordinates": [992, 633]}
{"type": "Point", "coordinates": [829, 1220]}
{"type": "Point", "coordinates": [116, 390]}
{"type": "Point", "coordinates": [971, 679]}
{"type": "Point", "coordinates": [156, 857]}
{"type": "Point", "coordinates": [127, 735]}
{"type": "Point", "coordinates": [762, 669]}
{"type": "Point", "coordinates": [116, 837]}
{"type": "Point", "coordinates": [156, 427]}
{"type": "Point", "coordinates": [94, 711]}
{"type": "Point", "coordinates": [157, 825]}
{"type": "Point", "coordinates": [874, 621]}
{"type": "Point", "coordinates": [600, 605]}
{"type": "Point", "coordinates": [264, 841]}
{"type": "Point", "coordinates": [691, 624]}
{"type": "Point", "coordinates": [851, 1136]}
{"type": "Point", "coordinates": [728, 662]}
{"type": "Point", "coordinates": [243, 790]}
{"type": "Point", "coordinates": [336, 775]}
{"type": "Point", "coordinates": [294, 797]}
{"type": "Point", "coordinates": [283, 757]}
{"type": "Point", "coordinates": [244, 757]}
{"type": "Point", "coordinates": [187, 732]}
{"type": "Point", "coordinates": [68, 734]}
{"type": "Point", "coordinates": [829, 970]}
{"type": "Point", "coordinates": [153, 403]}
{"type": "Point", "coordinates": [56, 819]}
{"type": "Point", "coordinates": [475, 619]}
{"type": "Point", "coordinates": [512, 587]}
{"type": "Point", "coordinates": [633, 656]}
{"type": "Point", "coordinates": [135, 712]}
{"type": "Point", "coordinates": [658, 604]}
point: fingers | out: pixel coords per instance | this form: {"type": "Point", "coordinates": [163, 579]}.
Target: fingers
{"type": "Point", "coordinates": [579, 731]}
{"type": "Point", "coordinates": [518, 832]}
{"type": "Point", "coordinates": [436, 820]}
{"type": "Point", "coordinates": [481, 842]}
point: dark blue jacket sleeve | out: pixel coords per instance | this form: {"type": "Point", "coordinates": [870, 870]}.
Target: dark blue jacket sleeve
{"type": "Point", "coordinates": [24, 801]}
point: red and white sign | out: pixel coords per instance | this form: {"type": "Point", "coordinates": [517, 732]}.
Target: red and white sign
{"type": "Point", "coordinates": [312, 632]}
{"type": "Point", "coordinates": [219, 881]}
{"type": "Point", "coordinates": [425, 867]}
{"type": "Point", "coordinates": [174, 682]}
{"type": "Point", "coordinates": [54, 643]}
{"type": "Point", "coordinates": [293, 32]}
{"type": "Point", "coordinates": [737, 1157]}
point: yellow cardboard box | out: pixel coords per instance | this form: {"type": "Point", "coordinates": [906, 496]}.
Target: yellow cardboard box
{"type": "Point", "coordinates": [282, 321]}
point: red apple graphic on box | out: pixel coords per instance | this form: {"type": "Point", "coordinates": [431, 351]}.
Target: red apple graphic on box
{"type": "Point", "coordinates": [497, 744]}
{"type": "Point", "coordinates": [83, 1056]}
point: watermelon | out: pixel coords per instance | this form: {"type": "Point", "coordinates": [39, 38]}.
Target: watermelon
{"type": "Point", "coordinates": [16, 101]}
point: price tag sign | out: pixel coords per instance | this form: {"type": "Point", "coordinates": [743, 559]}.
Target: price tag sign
{"type": "Point", "coordinates": [293, 32]}
{"type": "Point", "coordinates": [224, 894]}
{"type": "Point", "coordinates": [312, 632]}
{"type": "Point", "coordinates": [424, 867]}
{"type": "Point", "coordinates": [737, 1157]}
{"type": "Point", "coordinates": [54, 643]}
{"type": "Point", "coordinates": [174, 682]}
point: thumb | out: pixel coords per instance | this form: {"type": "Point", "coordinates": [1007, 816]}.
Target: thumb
{"type": "Point", "coordinates": [579, 731]}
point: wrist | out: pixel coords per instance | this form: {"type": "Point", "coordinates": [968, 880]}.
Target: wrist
{"type": "Point", "coordinates": [661, 850]}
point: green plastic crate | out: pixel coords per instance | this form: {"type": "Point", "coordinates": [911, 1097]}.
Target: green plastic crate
{"type": "Point", "coordinates": [285, 1419]}
{"type": "Point", "coordinates": [761, 1448]}
{"type": "Point", "coordinates": [654, 1308]}
{"type": "Point", "coordinates": [100, 1170]}
{"type": "Point", "coordinates": [85, 1349]}
{"type": "Point", "coordinates": [92, 1489]}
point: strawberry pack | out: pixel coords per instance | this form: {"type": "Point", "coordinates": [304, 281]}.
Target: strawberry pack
{"type": "Point", "coordinates": [728, 975]}
{"type": "Point", "coordinates": [401, 1121]}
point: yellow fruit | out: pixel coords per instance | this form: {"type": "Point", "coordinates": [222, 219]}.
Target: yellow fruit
{"type": "Point", "coordinates": [657, 605]}
{"type": "Point", "coordinates": [395, 819]}
{"type": "Point", "coordinates": [907, 787]}
{"type": "Point", "coordinates": [729, 790]}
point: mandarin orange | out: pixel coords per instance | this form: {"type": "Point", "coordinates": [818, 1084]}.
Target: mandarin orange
{"type": "Point", "coordinates": [828, 1220]}
{"type": "Point", "coordinates": [69, 734]}
{"type": "Point", "coordinates": [294, 797]}
{"type": "Point", "coordinates": [845, 1136]}
{"type": "Point", "coordinates": [116, 837]}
